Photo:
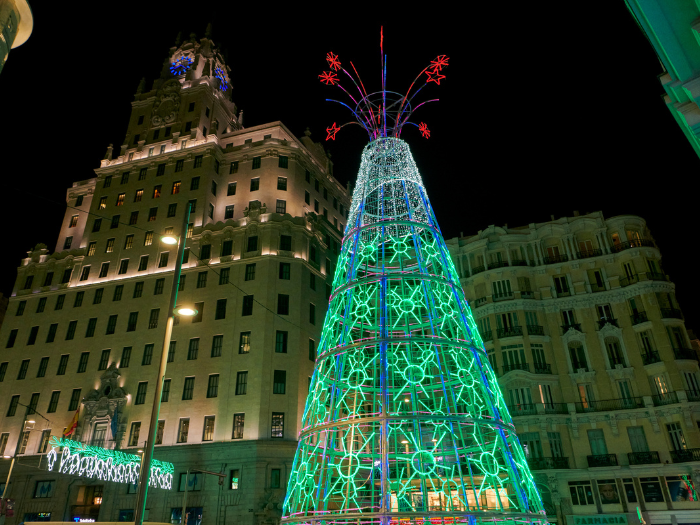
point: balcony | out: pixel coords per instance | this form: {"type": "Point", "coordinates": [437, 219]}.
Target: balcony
{"type": "Point", "coordinates": [498, 264]}
{"type": "Point", "coordinates": [653, 276]}
{"type": "Point", "coordinates": [547, 463]}
{"type": "Point", "coordinates": [504, 296]}
{"type": "Point", "coordinates": [542, 368]}
{"type": "Point", "coordinates": [669, 398]}
{"type": "Point", "coordinates": [478, 269]}
{"type": "Point", "coordinates": [685, 353]}
{"type": "Point", "coordinates": [639, 318]}
{"type": "Point", "coordinates": [551, 259]}
{"type": "Point", "coordinates": [481, 301]}
{"type": "Point", "coordinates": [566, 327]}
{"type": "Point", "coordinates": [683, 456]}
{"type": "Point", "coordinates": [525, 409]}
{"type": "Point", "coordinates": [643, 458]}
{"type": "Point", "coordinates": [626, 281]}
{"type": "Point", "coordinates": [607, 405]}
{"type": "Point", "coordinates": [533, 329]}
{"type": "Point", "coordinates": [556, 408]}
{"type": "Point", "coordinates": [598, 288]}
{"type": "Point", "coordinates": [512, 331]}
{"type": "Point", "coordinates": [671, 313]}
{"type": "Point", "coordinates": [487, 335]}
{"type": "Point", "coordinates": [693, 395]}
{"type": "Point", "coordinates": [636, 243]}
{"type": "Point", "coordinates": [585, 254]}
{"type": "Point", "coordinates": [518, 262]}
{"type": "Point", "coordinates": [564, 293]}
{"type": "Point", "coordinates": [579, 365]}
{"type": "Point", "coordinates": [617, 360]}
{"type": "Point", "coordinates": [516, 366]}
{"type": "Point", "coordinates": [605, 320]}
{"type": "Point", "coordinates": [527, 294]}
{"type": "Point", "coordinates": [602, 460]}
{"type": "Point", "coordinates": [650, 358]}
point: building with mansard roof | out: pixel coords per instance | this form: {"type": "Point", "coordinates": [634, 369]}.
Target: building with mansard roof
{"type": "Point", "coordinates": [86, 319]}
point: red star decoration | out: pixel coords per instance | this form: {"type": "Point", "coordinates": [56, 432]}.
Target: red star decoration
{"type": "Point", "coordinates": [328, 77]}
{"type": "Point", "coordinates": [439, 63]}
{"type": "Point", "coordinates": [436, 78]}
{"type": "Point", "coordinates": [332, 131]}
{"type": "Point", "coordinates": [333, 61]}
{"type": "Point", "coordinates": [424, 130]}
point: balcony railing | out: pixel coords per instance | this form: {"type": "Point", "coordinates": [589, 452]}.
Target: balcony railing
{"type": "Point", "coordinates": [542, 368]}
{"type": "Point", "coordinates": [693, 395]}
{"type": "Point", "coordinates": [487, 335]}
{"type": "Point", "coordinates": [533, 329]}
{"type": "Point", "coordinates": [547, 463]}
{"type": "Point", "coordinates": [579, 365]}
{"type": "Point", "coordinates": [525, 409]}
{"type": "Point", "coordinates": [605, 320]}
{"type": "Point", "coordinates": [654, 276]}
{"type": "Point", "coordinates": [585, 254]}
{"type": "Point", "coordinates": [643, 458]}
{"type": "Point", "coordinates": [564, 293]}
{"type": "Point", "coordinates": [551, 259]}
{"type": "Point", "coordinates": [683, 456]}
{"type": "Point", "coordinates": [671, 313]}
{"type": "Point", "coordinates": [518, 262]}
{"type": "Point", "coordinates": [638, 318]}
{"type": "Point", "coordinates": [598, 288]}
{"type": "Point", "coordinates": [669, 398]}
{"type": "Point", "coordinates": [516, 366]}
{"type": "Point", "coordinates": [556, 408]}
{"type": "Point", "coordinates": [511, 331]}
{"type": "Point", "coordinates": [566, 327]}
{"type": "Point", "coordinates": [685, 353]}
{"type": "Point", "coordinates": [626, 281]}
{"type": "Point", "coordinates": [478, 269]}
{"type": "Point", "coordinates": [481, 301]}
{"type": "Point", "coordinates": [498, 264]}
{"type": "Point", "coordinates": [527, 294]}
{"type": "Point", "coordinates": [603, 460]}
{"type": "Point", "coordinates": [606, 405]}
{"type": "Point", "coordinates": [617, 360]}
{"type": "Point", "coordinates": [636, 243]}
{"type": "Point", "coordinates": [502, 296]}
{"type": "Point", "coordinates": [650, 358]}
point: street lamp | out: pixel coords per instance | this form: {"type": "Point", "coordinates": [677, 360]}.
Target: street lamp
{"type": "Point", "coordinates": [145, 472]}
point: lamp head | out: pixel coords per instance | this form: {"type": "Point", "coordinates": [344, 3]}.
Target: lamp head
{"type": "Point", "coordinates": [168, 239]}
{"type": "Point", "coordinates": [186, 310]}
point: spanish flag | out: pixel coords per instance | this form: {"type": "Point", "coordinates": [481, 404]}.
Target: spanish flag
{"type": "Point", "coordinates": [72, 425]}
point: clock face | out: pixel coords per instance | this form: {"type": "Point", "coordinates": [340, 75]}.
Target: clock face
{"type": "Point", "coordinates": [223, 81]}
{"type": "Point", "coordinates": [181, 65]}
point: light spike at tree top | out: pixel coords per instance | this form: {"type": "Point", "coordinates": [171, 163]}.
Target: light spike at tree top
{"type": "Point", "coordinates": [382, 113]}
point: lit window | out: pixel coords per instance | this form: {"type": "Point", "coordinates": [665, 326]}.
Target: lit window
{"type": "Point", "coordinates": [73, 221]}
{"type": "Point", "coordinates": [120, 199]}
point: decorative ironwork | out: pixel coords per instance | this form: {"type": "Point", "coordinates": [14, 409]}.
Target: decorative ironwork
{"type": "Point", "coordinates": [602, 460]}
{"type": "Point", "coordinates": [511, 331]}
{"type": "Point", "coordinates": [556, 408]}
{"type": "Point", "coordinates": [551, 259]}
{"type": "Point", "coordinates": [543, 368]}
{"type": "Point", "coordinates": [685, 353]}
{"type": "Point", "coordinates": [566, 327]}
{"type": "Point", "coordinates": [638, 318]}
{"type": "Point", "coordinates": [527, 294]}
{"type": "Point", "coordinates": [585, 254]}
{"type": "Point", "coordinates": [669, 398]}
{"type": "Point", "coordinates": [607, 320]}
{"type": "Point", "coordinates": [516, 366]}
{"type": "Point", "coordinates": [533, 329]}
{"type": "Point", "coordinates": [524, 409]}
{"type": "Point", "coordinates": [503, 296]}
{"type": "Point", "coordinates": [630, 279]}
{"type": "Point", "coordinates": [606, 405]}
{"type": "Point", "coordinates": [643, 458]}
{"type": "Point", "coordinates": [683, 456]}
{"type": "Point", "coordinates": [635, 243]}
{"type": "Point", "coordinates": [671, 313]}
{"type": "Point", "coordinates": [649, 358]}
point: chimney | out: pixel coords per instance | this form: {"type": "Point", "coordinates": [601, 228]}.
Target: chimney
{"type": "Point", "coordinates": [576, 214]}
{"type": "Point", "coordinates": [552, 217]}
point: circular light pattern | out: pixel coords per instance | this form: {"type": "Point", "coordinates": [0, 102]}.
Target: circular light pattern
{"type": "Point", "coordinates": [404, 413]}
{"type": "Point", "coordinates": [181, 66]}
{"type": "Point", "coordinates": [223, 79]}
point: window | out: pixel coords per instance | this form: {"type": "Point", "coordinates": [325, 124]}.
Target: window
{"type": "Point", "coordinates": [181, 283]}
{"type": "Point", "coordinates": [62, 365]}
{"type": "Point", "coordinates": [281, 206]}
{"type": "Point", "coordinates": [277, 425]}
{"type": "Point", "coordinates": [675, 435]}
{"type": "Point", "coordinates": [247, 305]}
{"type": "Point", "coordinates": [307, 197]}
{"type": "Point", "coordinates": [11, 338]}
{"type": "Point", "coordinates": [67, 243]}
{"type": "Point", "coordinates": [244, 345]}
{"type": "Point", "coordinates": [282, 304]}
{"type": "Point", "coordinates": [252, 243]}
{"type": "Point", "coordinates": [126, 357]}
{"type": "Point", "coordinates": [316, 206]}
{"type": "Point", "coordinates": [23, 369]}
{"type": "Point", "coordinates": [152, 214]}
{"type": "Point", "coordinates": [325, 193]}
{"type": "Point", "coordinates": [220, 309]}
{"type": "Point", "coordinates": [60, 300]}
{"type": "Point", "coordinates": [213, 386]}
{"type": "Point", "coordinates": [202, 279]}
{"type": "Point", "coordinates": [561, 284]}
{"type": "Point", "coordinates": [228, 212]}
{"type": "Point", "coordinates": [92, 324]}
{"type": "Point", "coordinates": [256, 162]}
{"type": "Point", "coordinates": [104, 359]}
{"type": "Point", "coordinates": [123, 268]}
{"type": "Point", "coordinates": [171, 351]}
{"type": "Point", "coordinates": [46, 435]}
{"type": "Point", "coordinates": [286, 243]}
{"type": "Point", "coordinates": [143, 263]}
{"type": "Point", "coordinates": [12, 409]}
{"type": "Point", "coordinates": [153, 319]}
{"type": "Point", "coordinates": [84, 274]}
{"type": "Point", "coordinates": [44, 489]}
{"type": "Point", "coordinates": [138, 289]}
{"type": "Point", "coordinates": [165, 395]}
{"type": "Point", "coordinates": [312, 350]}
{"type": "Point", "coordinates": [134, 434]}
{"type": "Point", "coordinates": [70, 333]}
{"type": "Point", "coordinates": [194, 184]}
{"type": "Point", "coordinates": [163, 259]}
{"type": "Point", "coordinates": [41, 373]}
{"type": "Point", "coordinates": [172, 210]}
{"type": "Point", "coordinates": [254, 184]}
{"type": "Point", "coordinates": [111, 325]}
{"type": "Point", "coordinates": [74, 400]}
{"type": "Point", "coordinates": [41, 305]}
{"type": "Point", "coordinates": [115, 222]}
{"type": "Point", "coordinates": [250, 272]}
{"type": "Point", "coordinates": [217, 344]}
{"type": "Point", "coordinates": [96, 225]}
{"type": "Point", "coordinates": [581, 493]}
{"type": "Point", "coordinates": [82, 364]}
{"type": "Point", "coordinates": [226, 248]}
{"type": "Point", "coordinates": [651, 489]}
{"type": "Point", "coordinates": [238, 426]}
{"type": "Point", "coordinates": [141, 393]}
{"type": "Point", "coordinates": [147, 355]}
{"type": "Point", "coordinates": [312, 313]}
{"type": "Point", "coordinates": [200, 312]}
{"type": "Point", "coordinates": [183, 430]}
{"type": "Point", "coordinates": [208, 433]}
{"type": "Point", "coordinates": [279, 382]}
{"type": "Point", "coordinates": [159, 433]}
{"type": "Point", "coordinates": [21, 306]}
{"type": "Point", "coordinates": [129, 241]}
{"type": "Point", "coordinates": [211, 211]}
{"type": "Point", "coordinates": [198, 161]}
{"type": "Point", "coordinates": [193, 350]}
{"type": "Point", "coordinates": [188, 389]}
{"type": "Point", "coordinates": [160, 284]}
{"type": "Point", "coordinates": [205, 251]}
{"type": "Point", "coordinates": [138, 196]}
{"type": "Point", "coordinates": [104, 268]}
{"type": "Point", "coordinates": [160, 171]}
{"type": "Point", "coordinates": [241, 383]}
{"type": "Point", "coordinates": [232, 185]}
{"type": "Point", "coordinates": [281, 338]}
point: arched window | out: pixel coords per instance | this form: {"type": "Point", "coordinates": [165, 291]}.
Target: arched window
{"type": "Point", "coordinates": [578, 356]}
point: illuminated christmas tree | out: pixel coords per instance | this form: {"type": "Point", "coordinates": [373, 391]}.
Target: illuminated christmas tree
{"type": "Point", "coordinates": [405, 421]}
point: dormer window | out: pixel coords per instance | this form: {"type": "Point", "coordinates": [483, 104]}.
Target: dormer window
{"type": "Point", "coordinates": [140, 121]}
{"type": "Point", "coordinates": [190, 107]}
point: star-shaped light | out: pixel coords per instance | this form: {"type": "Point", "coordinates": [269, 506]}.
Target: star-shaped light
{"type": "Point", "coordinates": [333, 61]}
{"type": "Point", "coordinates": [332, 131]}
{"type": "Point", "coordinates": [328, 77]}
{"type": "Point", "coordinates": [424, 130]}
{"type": "Point", "coordinates": [434, 76]}
{"type": "Point", "coordinates": [439, 63]}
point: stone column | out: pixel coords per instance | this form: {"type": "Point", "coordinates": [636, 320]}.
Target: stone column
{"type": "Point", "coordinates": [510, 263]}
{"type": "Point", "coordinates": [486, 264]}
{"type": "Point", "coordinates": [469, 265]}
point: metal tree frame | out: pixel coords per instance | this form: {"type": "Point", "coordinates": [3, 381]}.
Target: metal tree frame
{"type": "Point", "coordinates": [405, 421]}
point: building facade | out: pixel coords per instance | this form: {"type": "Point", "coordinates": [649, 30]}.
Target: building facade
{"type": "Point", "coordinates": [264, 232]}
{"type": "Point", "coordinates": [16, 24]}
{"type": "Point", "coordinates": [582, 326]}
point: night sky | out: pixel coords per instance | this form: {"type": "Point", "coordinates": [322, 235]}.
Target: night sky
{"type": "Point", "coordinates": [546, 109]}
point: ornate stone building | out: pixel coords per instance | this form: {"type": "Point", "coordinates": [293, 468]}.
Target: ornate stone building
{"type": "Point", "coordinates": [582, 326]}
{"type": "Point", "coordinates": [264, 233]}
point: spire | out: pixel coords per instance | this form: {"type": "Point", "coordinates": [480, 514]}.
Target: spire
{"type": "Point", "coordinates": [208, 31]}
{"type": "Point", "coordinates": [178, 39]}
{"type": "Point", "coordinates": [142, 86]}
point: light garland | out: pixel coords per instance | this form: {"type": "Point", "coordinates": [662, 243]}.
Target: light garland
{"type": "Point", "coordinates": [107, 465]}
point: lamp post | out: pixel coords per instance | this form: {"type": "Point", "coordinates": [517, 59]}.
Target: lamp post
{"type": "Point", "coordinates": [145, 472]}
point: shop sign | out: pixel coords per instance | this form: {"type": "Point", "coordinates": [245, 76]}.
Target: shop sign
{"type": "Point", "coordinates": [598, 519]}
